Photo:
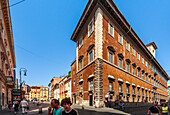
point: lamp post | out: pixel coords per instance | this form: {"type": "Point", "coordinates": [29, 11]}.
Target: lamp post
{"type": "Point", "coordinates": [24, 70]}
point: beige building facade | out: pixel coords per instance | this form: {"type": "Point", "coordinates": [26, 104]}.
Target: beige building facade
{"type": "Point", "coordinates": [7, 55]}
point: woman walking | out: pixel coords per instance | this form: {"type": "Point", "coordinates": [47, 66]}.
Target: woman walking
{"type": "Point", "coordinates": [16, 105]}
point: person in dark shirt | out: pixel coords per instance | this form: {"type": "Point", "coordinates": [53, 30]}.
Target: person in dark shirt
{"type": "Point", "coordinates": [66, 103]}
{"type": "Point", "coordinates": [154, 109]}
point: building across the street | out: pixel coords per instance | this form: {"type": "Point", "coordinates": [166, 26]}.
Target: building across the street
{"type": "Point", "coordinates": [26, 90]}
{"type": "Point", "coordinates": [112, 61]}
{"type": "Point", "coordinates": [65, 87]}
{"type": "Point", "coordinates": [7, 55]}
{"type": "Point", "coordinates": [39, 93]}
{"type": "Point", "coordinates": [52, 87]}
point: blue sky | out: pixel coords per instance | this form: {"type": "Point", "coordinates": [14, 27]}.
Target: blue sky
{"type": "Point", "coordinates": [42, 31]}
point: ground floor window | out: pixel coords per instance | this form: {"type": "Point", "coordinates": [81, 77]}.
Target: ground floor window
{"type": "Point", "coordinates": [120, 87]}
{"type": "Point", "coordinates": [127, 99]}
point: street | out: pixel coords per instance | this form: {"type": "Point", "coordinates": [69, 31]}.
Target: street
{"type": "Point", "coordinates": [34, 110]}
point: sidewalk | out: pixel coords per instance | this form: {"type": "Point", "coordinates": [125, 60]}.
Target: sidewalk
{"type": "Point", "coordinates": [110, 110]}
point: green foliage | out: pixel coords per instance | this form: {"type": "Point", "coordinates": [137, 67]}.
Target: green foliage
{"type": "Point", "coordinates": [69, 73]}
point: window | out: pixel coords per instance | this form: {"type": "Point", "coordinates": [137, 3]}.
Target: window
{"type": "Point", "coordinates": [128, 45]}
{"type": "Point", "coordinates": [146, 93]}
{"type": "Point", "coordinates": [146, 63]}
{"type": "Point", "coordinates": [138, 56]}
{"type": "Point", "coordinates": [111, 30]}
{"type": "Point", "coordinates": [142, 92]}
{"type": "Point", "coordinates": [142, 60]}
{"type": "Point", "coordinates": [80, 42]}
{"type": "Point", "coordinates": [133, 90]}
{"type": "Point", "coordinates": [110, 57]}
{"type": "Point", "coordinates": [127, 66]}
{"type": "Point", "coordinates": [133, 70]}
{"type": "Point", "coordinates": [138, 91]}
{"type": "Point", "coordinates": [120, 62]}
{"type": "Point", "coordinates": [149, 66]}
{"type": "Point", "coordinates": [81, 76]}
{"type": "Point", "coordinates": [91, 85]}
{"type": "Point", "coordinates": [146, 77]}
{"type": "Point", "coordinates": [138, 73]}
{"type": "Point", "coordinates": [81, 64]}
{"type": "Point", "coordinates": [127, 88]}
{"type": "Point", "coordinates": [120, 87]}
{"type": "Point", "coordinates": [152, 68]}
{"type": "Point", "coordinates": [91, 56]}
{"type": "Point", "coordinates": [110, 86]}
{"type": "Point", "coordinates": [149, 79]}
{"type": "Point", "coordinates": [133, 51]}
{"type": "Point", "coordinates": [120, 38]}
{"type": "Point", "coordinates": [74, 82]}
{"type": "Point", "coordinates": [142, 75]}
{"type": "Point", "coordinates": [81, 87]}
{"type": "Point", "coordinates": [90, 28]}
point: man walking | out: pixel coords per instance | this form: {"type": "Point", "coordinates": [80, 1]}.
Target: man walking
{"type": "Point", "coordinates": [154, 110]}
{"type": "Point", "coordinates": [24, 105]}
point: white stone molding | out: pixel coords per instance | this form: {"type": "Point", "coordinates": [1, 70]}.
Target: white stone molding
{"type": "Point", "coordinates": [98, 33]}
{"type": "Point", "coordinates": [111, 77]}
{"type": "Point", "coordinates": [127, 82]}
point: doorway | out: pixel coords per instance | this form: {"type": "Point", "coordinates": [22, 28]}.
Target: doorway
{"type": "Point", "coordinates": [2, 99]}
{"type": "Point", "coordinates": [74, 99]}
{"type": "Point", "coordinates": [90, 100]}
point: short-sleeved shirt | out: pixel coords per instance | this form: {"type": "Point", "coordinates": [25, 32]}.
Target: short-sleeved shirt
{"type": "Point", "coordinates": [153, 109]}
{"type": "Point", "coordinates": [57, 112]}
{"type": "Point", "coordinates": [72, 112]}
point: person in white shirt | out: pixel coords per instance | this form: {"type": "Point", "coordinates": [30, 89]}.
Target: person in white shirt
{"type": "Point", "coordinates": [24, 105]}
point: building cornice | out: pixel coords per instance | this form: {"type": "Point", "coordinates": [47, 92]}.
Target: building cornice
{"type": "Point", "coordinates": [8, 27]}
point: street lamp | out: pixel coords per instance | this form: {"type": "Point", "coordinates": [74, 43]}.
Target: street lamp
{"type": "Point", "coordinates": [24, 70]}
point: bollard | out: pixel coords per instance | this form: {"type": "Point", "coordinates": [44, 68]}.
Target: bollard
{"type": "Point", "coordinates": [40, 109]}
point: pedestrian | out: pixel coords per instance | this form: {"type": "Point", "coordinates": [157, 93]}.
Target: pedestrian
{"type": "Point", "coordinates": [67, 106]}
{"type": "Point", "coordinates": [116, 101]}
{"type": "Point", "coordinates": [16, 105]}
{"type": "Point", "coordinates": [121, 105]}
{"type": "Point", "coordinates": [154, 110]}
{"type": "Point", "coordinates": [55, 109]}
{"type": "Point", "coordinates": [24, 105]}
{"type": "Point", "coordinates": [164, 109]}
{"type": "Point", "coordinates": [9, 106]}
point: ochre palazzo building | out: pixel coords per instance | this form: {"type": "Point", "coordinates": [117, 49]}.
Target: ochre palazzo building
{"type": "Point", "coordinates": [112, 61]}
{"type": "Point", "coordinates": [7, 55]}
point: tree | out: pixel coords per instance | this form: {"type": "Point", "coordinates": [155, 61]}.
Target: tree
{"type": "Point", "coordinates": [69, 73]}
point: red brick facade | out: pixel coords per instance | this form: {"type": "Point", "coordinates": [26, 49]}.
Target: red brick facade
{"type": "Point", "coordinates": [140, 89]}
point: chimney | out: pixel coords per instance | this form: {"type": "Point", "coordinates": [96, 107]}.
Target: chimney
{"type": "Point", "coordinates": [152, 47]}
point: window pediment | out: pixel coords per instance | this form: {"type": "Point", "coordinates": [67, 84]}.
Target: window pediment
{"type": "Point", "coordinates": [120, 55]}
{"type": "Point", "coordinates": [80, 57]}
{"type": "Point", "coordinates": [128, 60]}
{"type": "Point", "coordinates": [143, 71]}
{"type": "Point", "coordinates": [110, 48]}
{"type": "Point", "coordinates": [134, 64]}
{"type": "Point", "coordinates": [139, 68]}
{"type": "Point", "coordinates": [90, 47]}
